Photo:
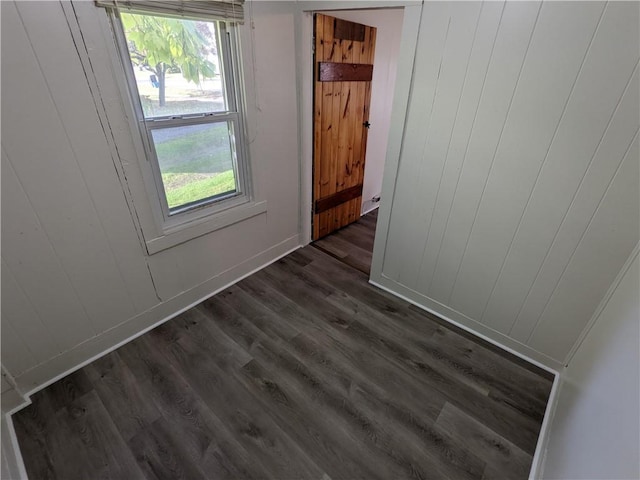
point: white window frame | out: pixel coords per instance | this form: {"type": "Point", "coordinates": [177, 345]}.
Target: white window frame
{"type": "Point", "coordinates": [211, 214]}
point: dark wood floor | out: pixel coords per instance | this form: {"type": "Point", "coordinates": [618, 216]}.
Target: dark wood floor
{"type": "Point", "coordinates": [301, 371]}
{"type": "Point", "coordinates": [352, 245]}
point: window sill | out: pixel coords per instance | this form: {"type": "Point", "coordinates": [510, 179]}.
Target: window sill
{"type": "Point", "coordinates": [207, 225]}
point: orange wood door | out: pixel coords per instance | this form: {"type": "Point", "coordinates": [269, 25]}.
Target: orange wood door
{"type": "Point", "coordinates": [343, 66]}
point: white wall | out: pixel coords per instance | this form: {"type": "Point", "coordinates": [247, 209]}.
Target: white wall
{"type": "Point", "coordinates": [389, 28]}
{"type": "Point", "coordinates": [595, 432]}
{"type": "Point", "coordinates": [514, 201]}
{"type": "Point", "coordinates": [75, 277]}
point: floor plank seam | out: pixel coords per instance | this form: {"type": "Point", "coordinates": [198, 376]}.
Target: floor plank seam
{"type": "Point", "coordinates": [302, 370]}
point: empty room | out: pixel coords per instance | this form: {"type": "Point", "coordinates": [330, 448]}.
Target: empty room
{"type": "Point", "coordinates": [315, 239]}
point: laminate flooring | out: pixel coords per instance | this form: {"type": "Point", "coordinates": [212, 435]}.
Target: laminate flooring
{"type": "Point", "coordinates": [352, 245]}
{"type": "Point", "coordinates": [300, 371]}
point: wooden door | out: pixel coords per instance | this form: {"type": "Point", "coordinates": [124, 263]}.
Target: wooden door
{"type": "Point", "coordinates": [343, 66]}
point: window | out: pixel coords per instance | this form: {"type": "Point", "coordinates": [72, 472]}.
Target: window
{"type": "Point", "coordinates": [183, 79]}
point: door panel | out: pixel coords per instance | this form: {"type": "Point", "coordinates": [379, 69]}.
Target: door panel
{"type": "Point", "coordinates": [343, 66]}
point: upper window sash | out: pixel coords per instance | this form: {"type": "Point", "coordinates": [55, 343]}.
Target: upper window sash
{"type": "Point", "coordinates": [174, 217]}
{"type": "Point", "coordinates": [225, 10]}
{"type": "Point", "coordinates": [228, 73]}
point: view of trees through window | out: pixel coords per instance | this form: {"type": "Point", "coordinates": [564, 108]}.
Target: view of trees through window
{"type": "Point", "coordinates": [178, 73]}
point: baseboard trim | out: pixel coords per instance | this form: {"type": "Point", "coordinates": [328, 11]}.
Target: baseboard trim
{"type": "Point", "coordinates": [539, 457]}
{"type": "Point", "coordinates": [462, 321]}
{"type": "Point", "coordinates": [12, 462]}
{"type": "Point", "coordinates": [12, 401]}
{"type": "Point", "coordinates": [68, 362]}
{"type": "Point", "coordinates": [12, 398]}
{"type": "Point", "coordinates": [549, 365]}
{"type": "Point", "coordinates": [369, 206]}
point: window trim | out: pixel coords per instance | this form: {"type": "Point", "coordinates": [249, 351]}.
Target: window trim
{"type": "Point", "coordinates": [178, 227]}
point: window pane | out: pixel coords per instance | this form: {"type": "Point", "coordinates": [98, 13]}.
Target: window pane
{"type": "Point", "coordinates": [196, 162]}
{"type": "Point", "coordinates": [176, 64]}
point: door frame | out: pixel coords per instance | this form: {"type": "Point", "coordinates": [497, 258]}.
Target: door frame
{"type": "Point", "coordinates": [304, 60]}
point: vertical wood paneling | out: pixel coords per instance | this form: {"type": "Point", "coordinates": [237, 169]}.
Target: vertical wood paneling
{"type": "Point", "coordinates": [56, 188]}
{"type": "Point", "coordinates": [477, 69]}
{"type": "Point", "coordinates": [356, 158]}
{"type": "Point", "coordinates": [194, 270]}
{"type": "Point", "coordinates": [461, 32]}
{"type": "Point", "coordinates": [330, 142]}
{"type": "Point", "coordinates": [365, 54]}
{"type": "Point", "coordinates": [345, 132]}
{"type": "Point", "coordinates": [573, 151]}
{"type": "Point", "coordinates": [611, 235]}
{"type": "Point", "coordinates": [560, 41]}
{"type": "Point", "coordinates": [431, 41]}
{"type": "Point", "coordinates": [497, 185]}
{"type": "Point", "coordinates": [24, 323]}
{"type": "Point", "coordinates": [37, 269]}
{"type": "Point", "coordinates": [341, 107]}
{"type": "Point", "coordinates": [595, 430]}
{"type": "Point", "coordinates": [593, 187]}
{"type": "Point", "coordinates": [49, 37]}
{"type": "Point", "coordinates": [167, 286]}
{"type": "Point", "coordinates": [93, 37]}
{"type": "Point", "coordinates": [516, 26]}
{"type": "Point", "coordinates": [14, 350]}
{"type": "Point", "coordinates": [70, 232]}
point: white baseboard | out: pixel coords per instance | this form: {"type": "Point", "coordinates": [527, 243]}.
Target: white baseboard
{"type": "Point", "coordinates": [537, 465]}
{"type": "Point", "coordinates": [44, 374]}
{"type": "Point", "coordinates": [12, 401]}
{"type": "Point", "coordinates": [12, 397]}
{"type": "Point", "coordinates": [12, 463]}
{"type": "Point", "coordinates": [522, 351]}
{"type": "Point", "coordinates": [62, 365]}
{"type": "Point", "coordinates": [369, 206]}
{"type": "Point", "coordinates": [462, 321]}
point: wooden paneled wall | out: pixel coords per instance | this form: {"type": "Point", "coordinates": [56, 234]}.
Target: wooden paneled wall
{"type": "Point", "coordinates": [595, 430]}
{"type": "Point", "coordinates": [516, 201]}
{"type": "Point", "coordinates": [75, 277]}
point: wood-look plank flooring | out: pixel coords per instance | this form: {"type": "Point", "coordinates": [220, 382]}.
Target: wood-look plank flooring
{"type": "Point", "coordinates": [301, 371]}
{"type": "Point", "coordinates": [352, 245]}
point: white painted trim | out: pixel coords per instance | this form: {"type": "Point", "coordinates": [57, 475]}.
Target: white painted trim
{"type": "Point", "coordinates": [375, 206]}
{"type": "Point", "coordinates": [304, 29]}
{"type": "Point", "coordinates": [402, 93]}
{"type": "Point", "coordinates": [8, 377]}
{"type": "Point", "coordinates": [304, 56]}
{"type": "Point", "coordinates": [540, 455]}
{"type": "Point", "coordinates": [319, 5]}
{"type": "Point", "coordinates": [12, 397]}
{"type": "Point", "coordinates": [11, 457]}
{"type": "Point", "coordinates": [12, 401]}
{"type": "Point", "coordinates": [189, 231]}
{"type": "Point", "coordinates": [68, 362]}
{"type": "Point", "coordinates": [603, 303]}
{"type": "Point", "coordinates": [158, 231]}
{"type": "Point", "coordinates": [502, 341]}
{"type": "Point", "coordinates": [553, 367]}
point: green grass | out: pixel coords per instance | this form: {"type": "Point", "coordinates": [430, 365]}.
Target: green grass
{"type": "Point", "coordinates": [195, 162]}
{"type": "Point", "coordinates": [200, 189]}
{"type": "Point", "coordinates": [204, 151]}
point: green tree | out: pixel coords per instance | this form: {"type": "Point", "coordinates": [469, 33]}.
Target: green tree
{"type": "Point", "coordinates": [158, 44]}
